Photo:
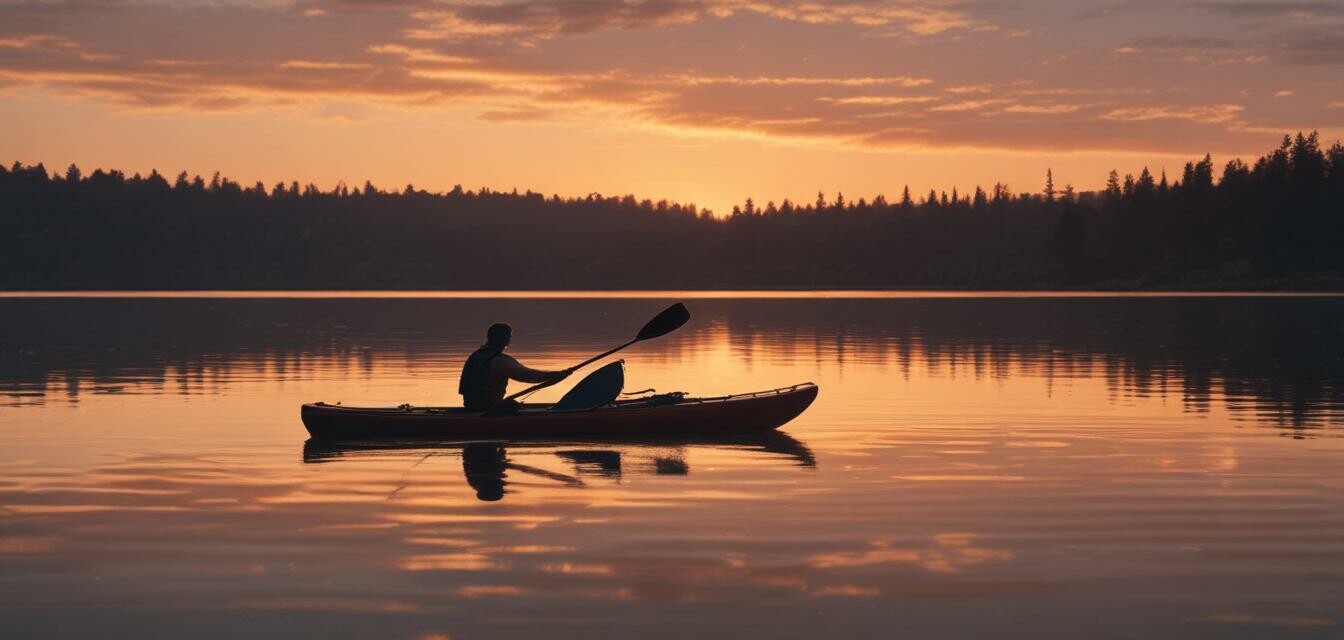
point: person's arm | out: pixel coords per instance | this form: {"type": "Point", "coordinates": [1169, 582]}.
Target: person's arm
{"type": "Point", "coordinates": [516, 371]}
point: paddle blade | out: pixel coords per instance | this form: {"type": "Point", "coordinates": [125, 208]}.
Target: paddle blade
{"type": "Point", "coordinates": [666, 322]}
{"type": "Point", "coordinates": [598, 389]}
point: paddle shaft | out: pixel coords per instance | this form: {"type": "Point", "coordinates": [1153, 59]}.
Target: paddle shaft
{"type": "Point", "coordinates": [542, 385]}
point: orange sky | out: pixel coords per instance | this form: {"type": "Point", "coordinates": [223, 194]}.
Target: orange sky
{"type": "Point", "coordinates": [705, 101]}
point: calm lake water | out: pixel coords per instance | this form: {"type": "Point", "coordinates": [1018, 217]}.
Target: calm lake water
{"type": "Point", "coordinates": [996, 467]}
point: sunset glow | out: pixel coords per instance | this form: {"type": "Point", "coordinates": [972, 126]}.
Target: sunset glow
{"type": "Point", "coordinates": [708, 101]}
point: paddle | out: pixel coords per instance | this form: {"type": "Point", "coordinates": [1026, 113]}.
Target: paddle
{"type": "Point", "coordinates": [662, 324]}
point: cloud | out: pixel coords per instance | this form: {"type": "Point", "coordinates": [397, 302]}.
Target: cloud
{"type": "Point", "coordinates": [879, 100]}
{"type": "Point", "coordinates": [861, 81]}
{"type": "Point", "coordinates": [788, 72]}
{"type": "Point", "coordinates": [970, 105]}
{"type": "Point", "coordinates": [1306, 33]}
{"type": "Point", "coordinates": [1213, 114]}
{"type": "Point", "coordinates": [65, 66]}
{"type": "Point", "coordinates": [419, 55]}
{"type": "Point", "coordinates": [325, 66]}
{"type": "Point", "coordinates": [1044, 109]}
{"type": "Point", "coordinates": [884, 17]}
{"type": "Point", "coordinates": [568, 17]}
{"type": "Point", "coordinates": [516, 115]}
{"type": "Point", "coordinates": [1195, 49]}
{"type": "Point", "coordinates": [1263, 9]}
{"type": "Point", "coordinates": [1319, 45]}
{"type": "Point", "coordinates": [1179, 44]}
{"type": "Point", "coordinates": [847, 590]}
{"type": "Point", "coordinates": [1241, 11]}
{"type": "Point", "coordinates": [54, 45]}
{"type": "Point", "coordinates": [548, 18]}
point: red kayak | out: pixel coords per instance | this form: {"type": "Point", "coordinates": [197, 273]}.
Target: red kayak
{"type": "Point", "coordinates": [668, 414]}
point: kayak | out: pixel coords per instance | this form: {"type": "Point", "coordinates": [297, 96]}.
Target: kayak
{"type": "Point", "coordinates": [667, 414]}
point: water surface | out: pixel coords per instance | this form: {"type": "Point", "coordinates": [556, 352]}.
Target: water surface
{"type": "Point", "coordinates": [1021, 466]}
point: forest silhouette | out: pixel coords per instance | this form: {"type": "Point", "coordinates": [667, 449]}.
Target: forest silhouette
{"type": "Point", "coordinates": [1276, 223]}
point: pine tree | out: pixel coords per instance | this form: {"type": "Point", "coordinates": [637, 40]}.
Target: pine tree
{"type": "Point", "coordinates": [1235, 172]}
{"type": "Point", "coordinates": [1113, 184]}
{"type": "Point", "coordinates": [1306, 159]}
{"type": "Point", "coordinates": [1145, 187]}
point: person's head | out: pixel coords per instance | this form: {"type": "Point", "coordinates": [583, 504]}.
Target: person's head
{"type": "Point", "coordinates": [499, 335]}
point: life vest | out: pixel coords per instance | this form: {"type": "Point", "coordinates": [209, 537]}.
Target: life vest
{"type": "Point", "coordinates": [475, 384]}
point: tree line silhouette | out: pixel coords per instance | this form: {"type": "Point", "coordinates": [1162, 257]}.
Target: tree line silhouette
{"type": "Point", "coordinates": [1276, 223]}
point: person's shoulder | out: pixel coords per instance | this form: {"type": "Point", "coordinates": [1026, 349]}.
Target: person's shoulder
{"type": "Point", "coordinates": [504, 360]}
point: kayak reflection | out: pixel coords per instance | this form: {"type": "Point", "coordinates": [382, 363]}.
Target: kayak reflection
{"type": "Point", "coordinates": [487, 465]}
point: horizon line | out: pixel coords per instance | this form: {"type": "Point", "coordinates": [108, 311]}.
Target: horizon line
{"type": "Point", "coordinates": [642, 294]}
